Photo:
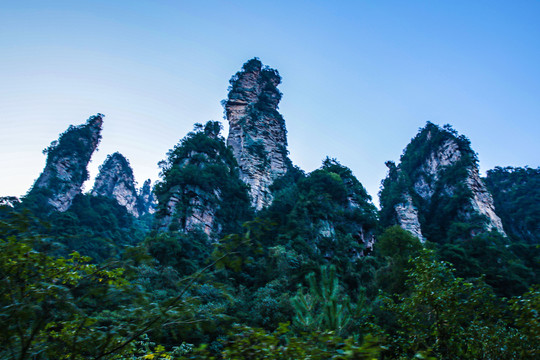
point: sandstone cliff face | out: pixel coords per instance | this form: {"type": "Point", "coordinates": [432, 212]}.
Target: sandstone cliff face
{"type": "Point", "coordinates": [407, 217]}
{"type": "Point", "coordinates": [482, 201]}
{"type": "Point", "coordinates": [437, 187]}
{"type": "Point", "coordinates": [257, 131]}
{"type": "Point", "coordinates": [66, 167]}
{"type": "Point", "coordinates": [200, 209]}
{"type": "Point", "coordinates": [115, 180]}
{"type": "Point", "coordinates": [201, 188]}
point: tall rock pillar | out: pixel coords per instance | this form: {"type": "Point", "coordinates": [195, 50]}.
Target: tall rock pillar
{"type": "Point", "coordinates": [66, 167]}
{"type": "Point", "coordinates": [257, 132]}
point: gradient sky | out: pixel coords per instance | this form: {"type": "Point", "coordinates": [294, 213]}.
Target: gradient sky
{"type": "Point", "coordinates": [359, 77]}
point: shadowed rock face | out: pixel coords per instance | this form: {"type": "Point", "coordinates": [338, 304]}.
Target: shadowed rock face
{"type": "Point", "coordinates": [257, 131]}
{"type": "Point", "coordinates": [147, 198]}
{"type": "Point", "coordinates": [437, 184]}
{"type": "Point", "coordinates": [115, 180]}
{"type": "Point", "coordinates": [67, 161]}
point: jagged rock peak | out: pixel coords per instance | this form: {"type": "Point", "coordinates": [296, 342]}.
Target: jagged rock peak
{"type": "Point", "coordinates": [200, 187]}
{"type": "Point", "coordinates": [115, 180]}
{"type": "Point", "coordinates": [148, 201]}
{"type": "Point", "coordinates": [257, 132]}
{"type": "Point", "coordinates": [66, 167]}
{"type": "Point", "coordinates": [436, 191]}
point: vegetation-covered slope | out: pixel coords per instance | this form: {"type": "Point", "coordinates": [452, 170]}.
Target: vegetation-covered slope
{"type": "Point", "coordinates": [312, 273]}
{"type": "Point", "coordinates": [326, 211]}
{"type": "Point", "coordinates": [437, 186]}
{"type": "Point", "coordinates": [516, 192]}
{"type": "Point", "coordinates": [200, 187]}
{"type": "Point", "coordinates": [65, 170]}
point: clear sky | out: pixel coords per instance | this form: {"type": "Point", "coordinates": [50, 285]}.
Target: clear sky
{"type": "Point", "coordinates": [359, 77]}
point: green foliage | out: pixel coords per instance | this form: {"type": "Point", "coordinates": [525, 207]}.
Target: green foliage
{"type": "Point", "coordinates": [252, 343]}
{"type": "Point", "coordinates": [323, 214]}
{"type": "Point", "coordinates": [176, 294]}
{"type": "Point", "coordinates": [451, 318]}
{"type": "Point", "coordinates": [324, 306]}
{"type": "Point", "coordinates": [235, 250]}
{"type": "Point", "coordinates": [526, 316]}
{"type": "Point", "coordinates": [516, 193]}
{"type": "Point", "coordinates": [45, 313]}
{"type": "Point", "coordinates": [67, 308]}
{"type": "Point", "coordinates": [185, 253]}
{"type": "Point", "coordinates": [74, 141]}
{"type": "Point", "coordinates": [395, 247]}
{"type": "Point", "coordinates": [445, 215]}
{"type": "Point", "coordinates": [202, 168]}
{"type": "Point", "coordinates": [488, 255]}
{"type": "Point", "coordinates": [270, 305]}
{"type": "Point", "coordinates": [95, 226]}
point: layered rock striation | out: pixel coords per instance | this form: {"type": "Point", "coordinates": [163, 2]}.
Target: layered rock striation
{"type": "Point", "coordinates": [436, 191]}
{"type": "Point", "coordinates": [116, 181]}
{"type": "Point", "coordinates": [66, 167]}
{"type": "Point", "coordinates": [257, 132]}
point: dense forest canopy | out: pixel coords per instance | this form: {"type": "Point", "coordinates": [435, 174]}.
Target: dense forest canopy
{"type": "Point", "coordinates": [516, 192]}
{"type": "Point", "coordinates": [317, 273]}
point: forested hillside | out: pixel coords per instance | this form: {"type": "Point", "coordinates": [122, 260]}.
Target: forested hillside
{"type": "Point", "coordinates": [247, 256]}
{"type": "Point", "coordinates": [516, 192]}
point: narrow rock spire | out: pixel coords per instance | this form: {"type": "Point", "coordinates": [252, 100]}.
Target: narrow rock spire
{"type": "Point", "coordinates": [66, 167]}
{"type": "Point", "coordinates": [436, 191]}
{"type": "Point", "coordinates": [115, 180]}
{"type": "Point", "coordinates": [257, 132]}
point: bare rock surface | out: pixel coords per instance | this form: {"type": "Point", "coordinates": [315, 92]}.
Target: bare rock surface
{"type": "Point", "coordinates": [407, 216]}
{"type": "Point", "coordinates": [257, 132]}
{"type": "Point", "coordinates": [438, 181]}
{"type": "Point", "coordinates": [115, 180]}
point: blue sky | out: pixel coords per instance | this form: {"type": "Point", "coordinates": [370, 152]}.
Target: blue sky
{"type": "Point", "coordinates": [359, 77]}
